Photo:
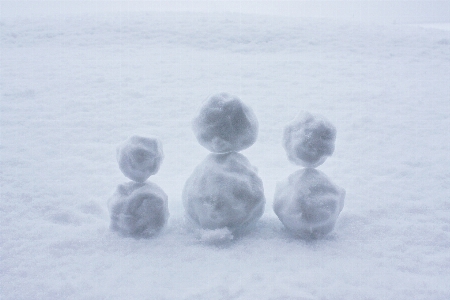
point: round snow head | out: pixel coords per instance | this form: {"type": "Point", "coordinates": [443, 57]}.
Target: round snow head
{"type": "Point", "coordinates": [225, 124]}
{"type": "Point", "coordinates": [308, 203]}
{"type": "Point", "coordinates": [309, 140]}
{"type": "Point", "coordinates": [224, 191]}
{"type": "Point", "coordinates": [138, 209]}
{"type": "Point", "coordinates": [139, 157]}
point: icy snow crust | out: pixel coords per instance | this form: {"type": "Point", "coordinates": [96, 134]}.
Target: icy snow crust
{"type": "Point", "coordinates": [224, 191]}
{"type": "Point", "coordinates": [308, 203]}
{"type": "Point", "coordinates": [139, 157]}
{"type": "Point", "coordinates": [138, 209]}
{"type": "Point", "coordinates": [309, 140]}
{"type": "Point", "coordinates": [225, 124]}
{"type": "Point", "coordinates": [70, 88]}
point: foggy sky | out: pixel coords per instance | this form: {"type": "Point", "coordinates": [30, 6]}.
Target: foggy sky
{"type": "Point", "coordinates": [405, 11]}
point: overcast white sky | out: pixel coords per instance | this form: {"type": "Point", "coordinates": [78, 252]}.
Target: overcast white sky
{"type": "Point", "coordinates": [382, 11]}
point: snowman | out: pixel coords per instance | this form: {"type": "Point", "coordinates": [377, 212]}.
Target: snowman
{"type": "Point", "coordinates": [307, 202]}
{"type": "Point", "coordinates": [224, 195]}
{"type": "Point", "coordinates": [138, 208]}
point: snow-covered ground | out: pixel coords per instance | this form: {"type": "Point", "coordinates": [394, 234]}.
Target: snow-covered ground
{"type": "Point", "coordinates": [74, 87]}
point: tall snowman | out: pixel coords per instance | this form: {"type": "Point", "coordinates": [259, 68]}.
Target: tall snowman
{"type": "Point", "coordinates": [138, 208]}
{"type": "Point", "coordinates": [224, 194]}
{"type": "Point", "coordinates": [307, 202]}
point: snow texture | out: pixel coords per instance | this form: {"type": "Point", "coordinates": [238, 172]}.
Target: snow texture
{"type": "Point", "coordinates": [224, 191]}
{"type": "Point", "coordinates": [138, 209]}
{"type": "Point", "coordinates": [72, 86]}
{"type": "Point", "coordinates": [139, 157]}
{"type": "Point", "coordinates": [309, 140]}
{"type": "Point", "coordinates": [225, 124]}
{"type": "Point", "coordinates": [308, 203]}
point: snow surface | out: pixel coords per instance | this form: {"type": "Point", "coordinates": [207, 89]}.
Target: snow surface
{"type": "Point", "coordinates": [225, 124]}
{"type": "Point", "coordinates": [309, 140]}
{"type": "Point", "coordinates": [224, 191]}
{"type": "Point", "coordinates": [72, 88]}
{"type": "Point", "coordinates": [308, 203]}
{"type": "Point", "coordinates": [139, 157]}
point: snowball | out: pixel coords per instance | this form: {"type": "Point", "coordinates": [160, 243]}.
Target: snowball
{"type": "Point", "coordinates": [138, 209]}
{"type": "Point", "coordinates": [139, 157]}
{"type": "Point", "coordinates": [216, 236]}
{"type": "Point", "coordinates": [224, 191]}
{"type": "Point", "coordinates": [308, 203]}
{"type": "Point", "coordinates": [225, 124]}
{"type": "Point", "coordinates": [309, 140]}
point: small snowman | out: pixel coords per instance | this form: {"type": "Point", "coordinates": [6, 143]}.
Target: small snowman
{"type": "Point", "coordinates": [307, 202]}
{"type": "Point", "coordinates": [139, 208]}
{"type": "Point", "coordinates": [224, 194]}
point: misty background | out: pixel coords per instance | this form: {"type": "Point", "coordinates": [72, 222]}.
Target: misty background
{"type": "Point", "coordinates": [386, 12]}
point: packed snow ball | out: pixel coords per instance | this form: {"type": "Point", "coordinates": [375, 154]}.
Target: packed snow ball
{"type": "Point", "coordinates": [225, 124]}
{"type": "Point", "coordinates": [224, 191]}
{"type": "Point", "coordinates": [309, 140]}
{"type": "Point", "coordinates": [140, 157]}
{"type": "Point", "coordinates": [308, 203]}
{"type": "Point", "coordinates": [138, 209]}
